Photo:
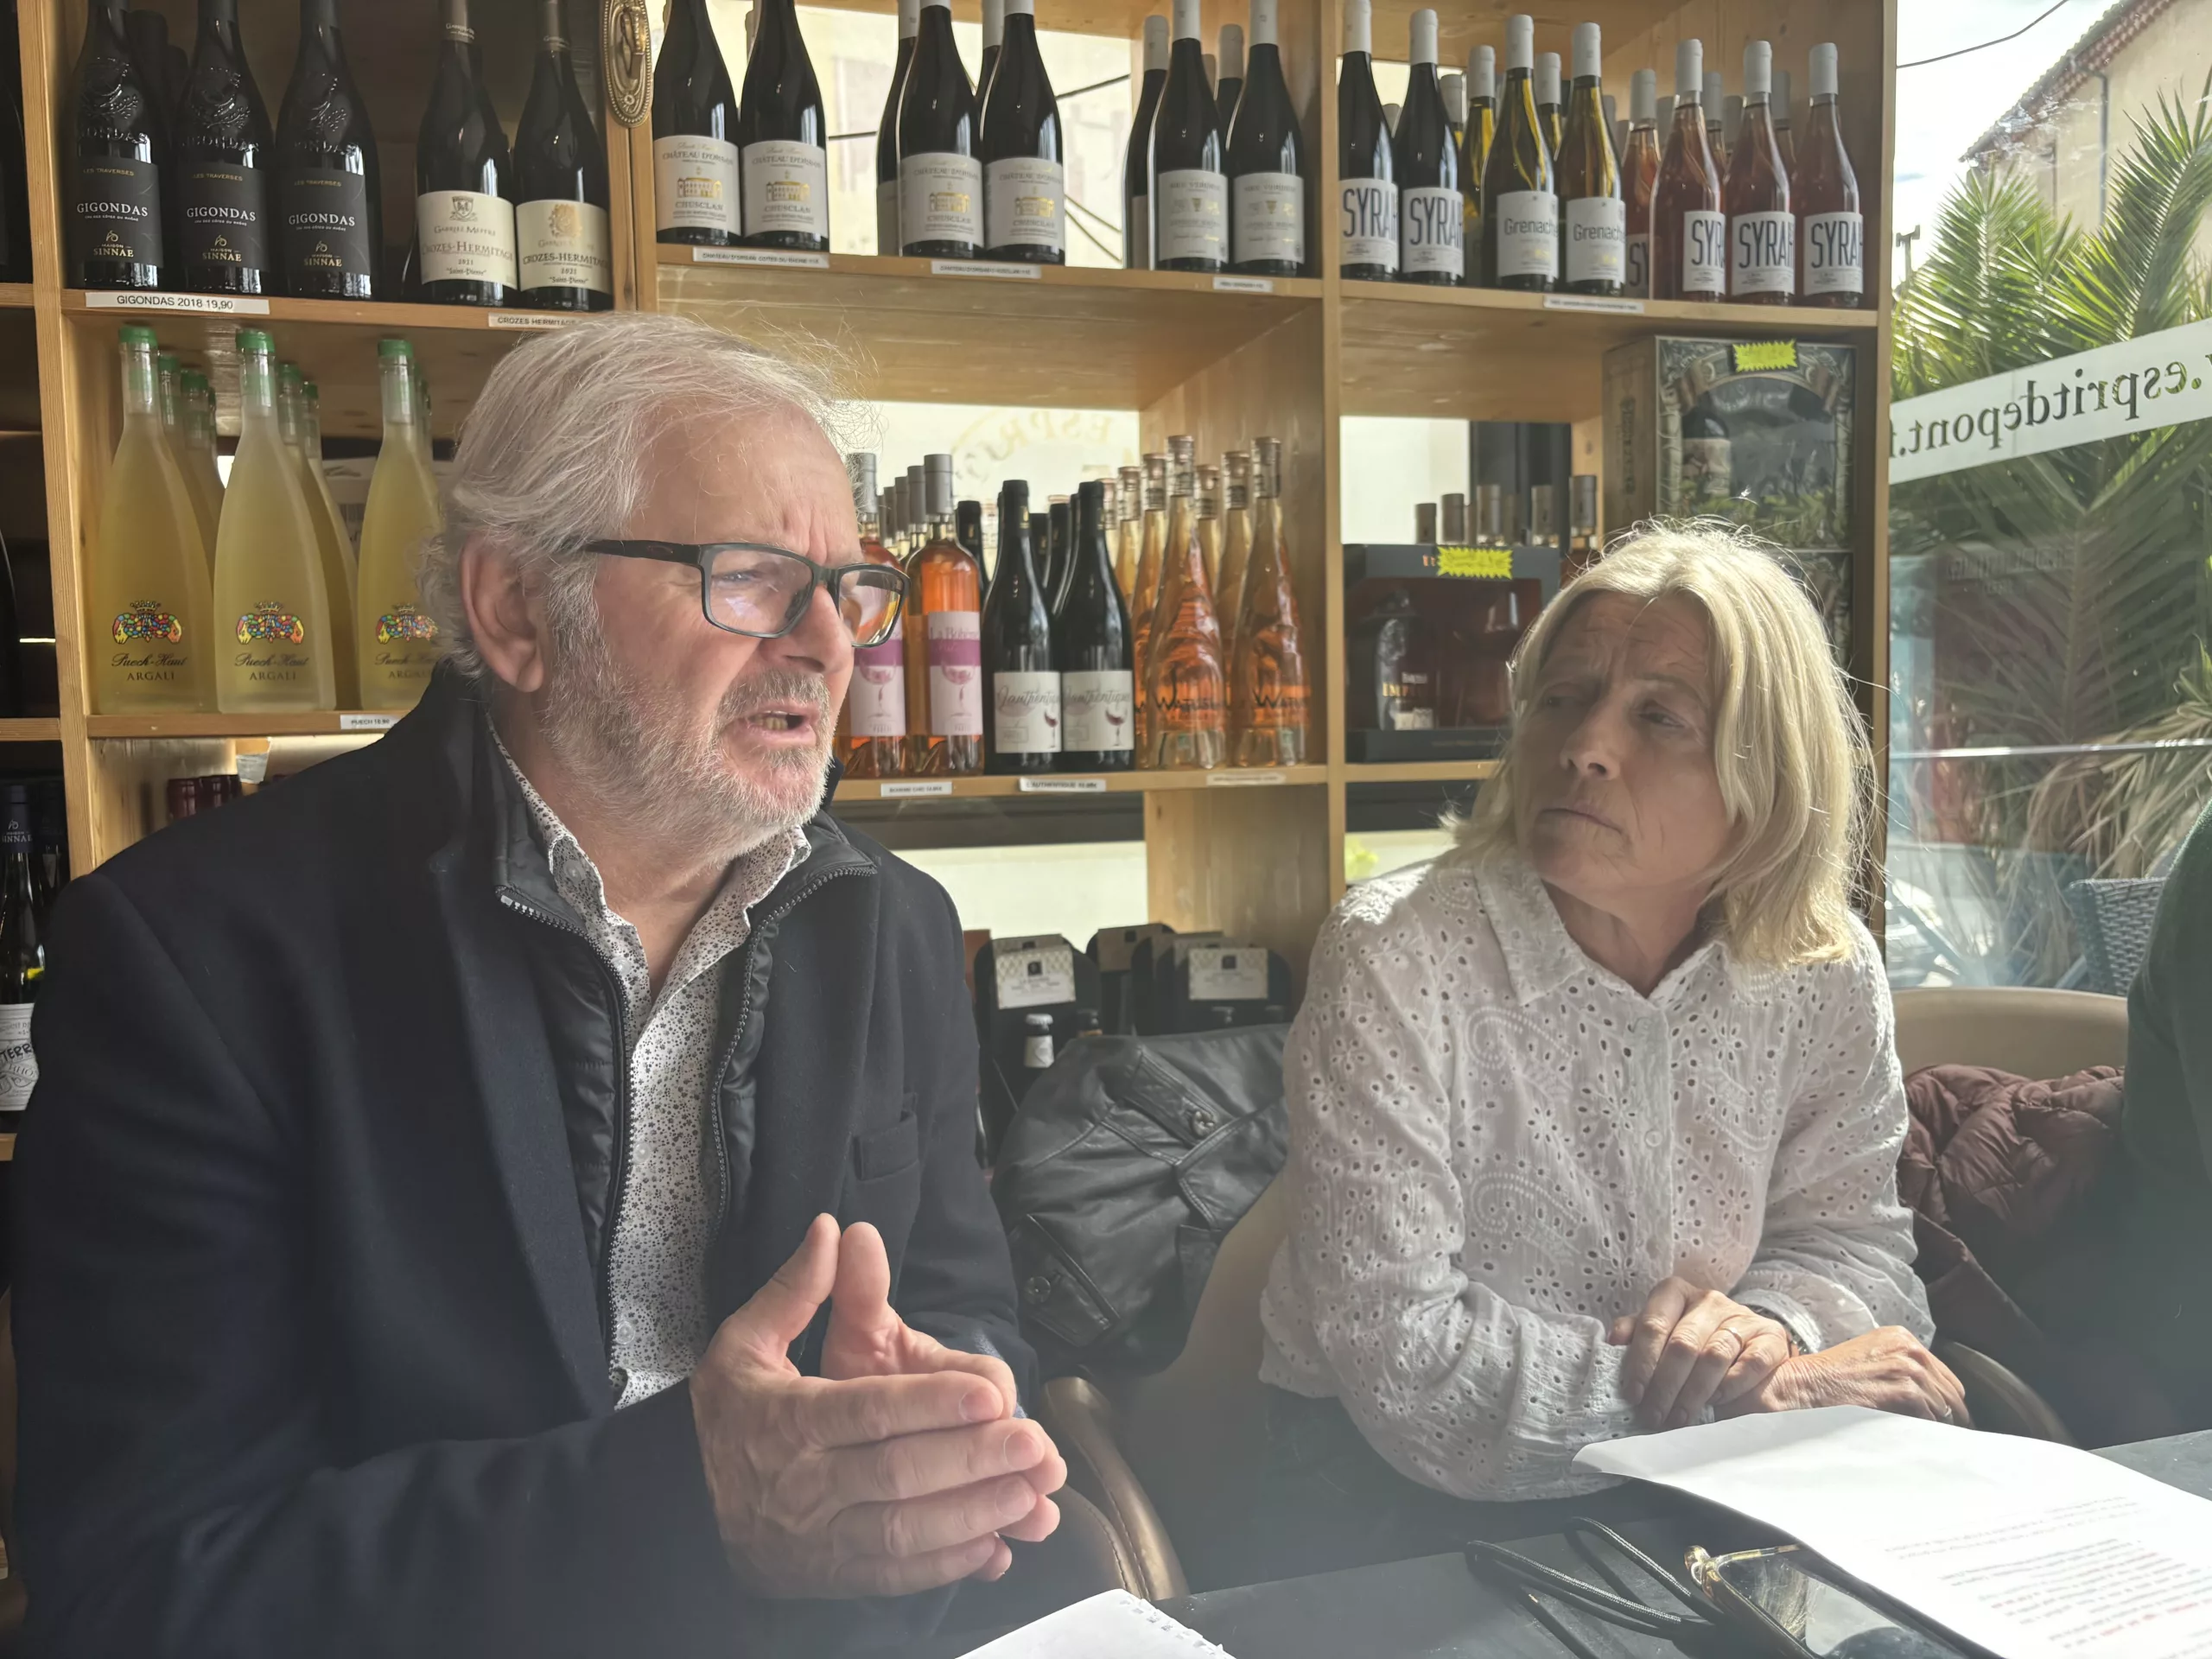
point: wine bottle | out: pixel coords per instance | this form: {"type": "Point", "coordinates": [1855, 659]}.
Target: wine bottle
{"type": "Point", "coordinates": [1520, 199]}
{"type": "Point", "coordinates": [223, 151]}
{"type": "Point", "coordinates": [783, 139]}
{"type": "Point", "coordinates": [196, 416]}
{"type": "Point", "coordinates": [272, 613]}
{"type": "Point", "coordinates": [875, 702]}
{"type": "Point", "coordinates": [1040, 542]}
{"type": "Point", "coordinates": [1059, 561]}
{"type": "Point", "coordinates": [1267, 163]}
{"type": "Point", "coordinates": [1186, 692]}
{"type": "Point", "coordinates": [1390, 119]}
{"type": "Point", "coordinates": [695, 172]}
{"type": "Point", "coordinates": [917, 499]}
{"type": "Point", "coordinates": [967, 530]}
{"type": "Point", "coordinates": [1153, 556]}
{"type": "Point", "coordinates": [1716, 123]}
{"type": "Point", "coordinates": [994, 44]}
{"type": "Point", "coordinates": [948, 632]}
{"type": "Point", "coordinates": [334, 554]}
{"type": "Point", "coordinates": [1639, 178]}
{"type": "Point", "coordinates": [1269, 696]}
{"type": "Point", "coordinates": [886, 134]}
{"type": "Point", "coordinates": [1136, 176]}
{"type": "Point", "coordinates": [1689, 233]}
{"type": "Point", "coordinates": [1092, 646]}
{"type": "Point", "coordinates": [940, 179]}
{"type": "Point", "coordinates": [1762, 231]}
{"type": "Point", "coordinates": [1235, 543]}
{"type": "Point", "coordinates": [149, 594]}
{"type": "Point", "coordinates": [1548, 115]}
{"type": "Point", "coordinates": [1784, 133]}
{"type": "Point", "coordinates": [1593, 217]}
{"type": "Point", "coordinates": [328, 192]}
{"type": "Point", "coordinates": [1432, 216]}
{"type": "Point", "coordinates": [397, 644]}
{"type": "Point", "coordinates": [564, 252]}
{"type": "Point", "coordinates": [1210, 526]}
{"type": "Point", "coordinates": [1128, 535]}
{"type": "Point", "coordinates": [1367, 180]}
{"type": "Point", "coordinates": [147, 33]}
{"type": "Point", "coordinates": [1025, 170]}
{"type": "Point", "coordinates": [1825, 193]}
{"type": "Point", "coordinates": [116, 139]}
{"type": "Point", "coordinates": [1187, 184]}
{"type": "Point", "coordinates": [1454, 86]}
{"type": "Point", "coordinates": [15, 162]}
{"type": "Point", "coordinates": [168, 404]}
{"type": "Point", "coordinates": [1229, 85]}
{"type": "Point", "coordinates": [326, 506]}
{"type": "Point", "coordinates": [1732, 123]}
{"type": "Point", "coordinates": [1021, 684]}
{"type": "Point", "coordinates": [464, 182]}
{"type": "Point", "coordinates": [23, 958]}
{"type": "Point", "coordinates": [1474, 150]}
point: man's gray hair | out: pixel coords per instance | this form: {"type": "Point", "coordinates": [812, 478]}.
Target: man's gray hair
{"type": "Point", "coordinates": [558, 451]}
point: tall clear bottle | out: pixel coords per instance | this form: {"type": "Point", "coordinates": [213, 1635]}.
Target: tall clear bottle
{"type": "Point", "coordinates": [1209, 527]}
{"type": "Point", "coordinates": [874, 744]}
{"type": "Point", "coordinates": [1146, 592]}
{"type": "Point", "coordinates": [1186, 689]}
{"type": "Point", "coordinates": [1235, 541]}
{"type": "Point", "coordinates": [1762, 231]}
{"type": "Point", "coordinates": [396, 643]}
{"type": "Point", "coordinates": [196, 415]}
{"type": "Point", "coordinates": [334, 550]}
{"type": "Point", "coordinates": [1639, 178]}
{"type": "Point", "coordinates": [1128, 534]}
{"type": "Point", "coordinates": [1520, 189]}
{"type": "Point", "coordinates": [1270, 693]}
{"type": "Point", "coordinates": [272, 614]}
{"type": "Point", "coordinates": [1689, 232]}
{"type": "Point", "coordinates": [948, 634]}
{"type": "Point", "coordinates": [148, 624]}
{"type": "Point", "coordinates": [1593, 213]}
{"type": "Point", "coordinates": [177, 434]}
{"type": "Point", "coordinates": [1474, 149]}
{"type": "Point", "coordinates": [1824, 191]}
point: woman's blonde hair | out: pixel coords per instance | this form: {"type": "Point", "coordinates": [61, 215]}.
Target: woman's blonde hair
{"type": "Point", "coordinates": [1794, 768]}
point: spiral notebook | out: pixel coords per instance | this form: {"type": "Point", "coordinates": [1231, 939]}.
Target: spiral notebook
{"type": "Point", "coordinates": [1114, 1625]}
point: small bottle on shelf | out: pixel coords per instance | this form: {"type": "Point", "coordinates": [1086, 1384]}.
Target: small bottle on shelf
{"type": "Point", "coordinates": [1021, 684]}
{"type": "Point", "coordinates": [950, 634]}
{"type": "Point", "coordinates": [1824, 192]}
{"type": "Point", "coordinates": [1762, 231]}
{"type": "Point", "coordinates": [1452, 528]}
{"type": "Point", "coordinates": [1425, 524]}
{"type": "Point", "coordinates": [940, 178]}
{"type": "Point", "coordinates": [1269, 697]}
{"type": "Point", "coordinates": [1689, 232]}
{"type": "Point", "coordinates": [875, 705]}
{"type": "Point", "coordinates": [1640, 177]}
{"type": "Point", "coordinates": [1367, 216]}
{"type": "Point", "coordinates": [1583, 547]}
{"type": "Point", "coordinates": [23, 958]}
{"type": "Point", "coordinates": [1187, 179]}
{"type": "Point", "coordinates": [1093, 647]}
{"type": "Point", "coordinates": [1186, 687]}
{"type": "Point", "coordinates": [395, 644]}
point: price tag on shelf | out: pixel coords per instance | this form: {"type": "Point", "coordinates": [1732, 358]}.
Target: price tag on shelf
{"type": "Point", "coordinates": [221, 305]}
{"type": "Point", "coordinates": [1593, 302]}
{"type": "Point", "coordinates": [1063, 785]}
{"type": "Point", "coordinates": [1001, 268]}
{"type": "Point", "coordinates": [1244, 780]}
{"type": "Point", "coordinates": [367, 722]}
{"type": "Point", "coordinates": [788, 261]}
{"type": "Point", "coordinates": [532, 319]}
{"type": "Point", "coordinates": [894, 790]}
{"type": "Point", "coordinates": [1244, 285]}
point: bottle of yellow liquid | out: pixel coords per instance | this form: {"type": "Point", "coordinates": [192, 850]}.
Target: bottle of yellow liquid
{"type": "Point", "coordinates": [148, 647]}
{"type": "Point", "coordinates": [196, 419]}
{"type": "Point", "coordinates": [177, 435]}
{"type": "Point", "coordinates": [337, 553]}
{"type": "Point", "coordinates": [398, 645]}
{"type": "Point", "coordinates": [271, 611]}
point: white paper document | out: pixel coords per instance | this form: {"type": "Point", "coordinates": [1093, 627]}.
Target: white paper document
{"type": "Point", "coordinates": [2034, 1551]}
{"type": "Point", "coordinates": [1114, 1625]}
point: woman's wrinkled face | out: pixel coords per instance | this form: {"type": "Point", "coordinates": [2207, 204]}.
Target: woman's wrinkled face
{"type": "Point", "coordinates": [1619, 804]}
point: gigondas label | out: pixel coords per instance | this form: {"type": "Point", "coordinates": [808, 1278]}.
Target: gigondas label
{"type": "Point", "coordinates": [1527, 233]}
{"type": "Point", "coordinates": [1762, 253]}
{"type": "Point", "coordinates": [1025, 204]}
{"type": "Point", "coordinates": [786, 188]}
{"type": "Point", "coordinates": [1024, 712]}
{"type": "Point", "coordinates": [1705, 253]}
{"type": "Point", "coordinates": [1192, 210]}
{"type": "Point", "coordinates": [1367, 223]}
{"type": "Point", "coordinates": [956, 673]}
{"type": "Point", "coordinates": [223, 208]}
{"type": "Point", "coordinates": [563, 244]}
{"type": "Point", "coordinates": [18, 1065]}
{"type": "Point", "coordinates": [325, 212]}
{"type": "Point", "coordinates": [940, 197]}
{"type": "Point", "coordinates": [464, 235]}
{"type": "Point", "coordinates": [1597, 239]}
{"type": "Point", "coordinates": [1637, 281]}
{"type": "Point", "coordinates": [1834, 254]}
{"type": "Point", "coordinates": [1267, 218]}
{"type": "Point", "coordinates": [694, 183]}
{"type": "Point", "coordinates": [1098, 712]}
{"type": "Point", "coordinates": [876, 702]}
{"type": "Point", "coordinates": [1431, 227]}
{"type": "Point", "coordinates": [886, 216]}
{"type": "Point", "coordinates": [118, 213]}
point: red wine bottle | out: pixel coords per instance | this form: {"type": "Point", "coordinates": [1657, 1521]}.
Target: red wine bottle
{"type": "Point", "coordinates": [562, 250]}
{"type": "Point", "coordinates": [1092, 646]}
{"type": "Point", "coordinates": [1188, 186]}
{"type": "Point", "coordinates": [223, 149]}
{"type": "Point", "coordinates": [1431, 220]}
{"type": "Point", "coordinates": [940, 179]}
{"type": "Point", "coordinates": [1136, 177]}
{"type": "Point", "coordinates": [1025, 171]}
{"type": "Point", "coordinates": [1367, 180]}
{"type": "Point", "coordinates": [464, 183]}
{"type": "Point", "coordinates": [114, 142]}
{"type": "Point", "coordinates": [783, 139]}
{"type": "Point", "coordinates": [1267, 163]}
{"type": "Point", "coordinates": [1021, 686]}
{"type": "Point", "coordinates": [15, 170]}
{"type": "Point", "coordinates": [695, 129]}
{"type": "Point", "coordinates": [329, 193]}
{"type": "Point", "coordinates": [886, 132]}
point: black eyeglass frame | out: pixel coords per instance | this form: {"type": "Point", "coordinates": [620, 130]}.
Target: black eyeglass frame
{"type": "Point", "coordinates": [700, 556]}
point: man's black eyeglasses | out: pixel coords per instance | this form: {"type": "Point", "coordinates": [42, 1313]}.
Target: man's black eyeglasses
{"type": "Point", "coordinates": [761, 592]}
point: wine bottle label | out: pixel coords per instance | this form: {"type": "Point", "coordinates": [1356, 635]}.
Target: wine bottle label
{"type": "Point", "coordinates": [274, 639]}
{"type": "Point", "coordinates": [1024, 712]}
{"type": "Point", "coordinates": [563, 244]}
{"type": "Point", "coordinates": [1430, 229]}
{"type": "Point", "coordinates": [1098, 712]}
{"type": "Point", "coordinates": [1137, 237]}
{"type": "Point", "coordinates": [694, 183]}
{"type": "Point", "coordinates": [786, 188]}
{"type": "Point", "coordinates": [1367, 223]}
{"type": "Point", "coordinates": [118, 219]}
{"type": "Point", "coordinates": [1834, 254]}
{"type": "Point", "coordinates": [886, 216]}
{"type": "Point", "coordinates": [325, 228]}
{"type": "Point", "coordinates": [877, 699]}
{"type": "Point", "coordinates": [223, 208]}
{"type": "Point", "coordinates": [1527, 233]}
{"type": "Point", "coordinates": [150, 648]}
{"type": "Point", "coordinates": [1597, 239]}
{"type": "Point", "coordinates": [18, 1065]}
{"type": "Point", "coordinates": [1037, 1053]}
{"type": "Point", "coordinates": [1637, 280]}
{"type": "Point", "coordinates": [940, 197]}
{"type": "Point", "coordinates": [956, 674]}
{"type": "Point", "coordinates": [1762, 253]}
{"type": "Point", "coordinates": [1188, 695]}
{"type": "Point", "coordinates": [1025, 204]}
{"type": "Point", "coordinates": [464, 235]}
{"type": "Point", "coordinates": [1267, 218]}
{"type": "Point", "coordinates": [1192, 212]}
{"type": "Point", "coordinates": [1705, 253]}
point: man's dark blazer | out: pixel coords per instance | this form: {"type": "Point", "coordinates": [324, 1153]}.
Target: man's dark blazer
{"type": "Point", "coordinates": [314, 1206]}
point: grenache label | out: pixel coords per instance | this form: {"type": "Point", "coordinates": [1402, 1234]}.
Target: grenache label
{"type": "Point", "coordinates": [1835, 253]}
{"type": "Point", "coordinates": [1367, 223]}
{"type": "Point", "coordinates": [1597, 235]}
{"type": "Point", "coordinates": [1705, 253]}
{"type": "Point", "coordinates": [1762, 253]}
{"type": "Point", "coordinates": [1527, 233]}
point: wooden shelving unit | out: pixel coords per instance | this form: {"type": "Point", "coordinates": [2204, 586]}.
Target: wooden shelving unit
{"type": "Point", "coordinates": [1223, 360]}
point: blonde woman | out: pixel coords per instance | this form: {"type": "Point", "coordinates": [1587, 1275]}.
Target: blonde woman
{"type": "Point", "coordinates": [1594, 1122]}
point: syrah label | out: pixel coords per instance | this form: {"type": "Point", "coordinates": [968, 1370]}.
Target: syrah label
{"type": "Point", "coordinates": [886, 216]}
{"type": "Point", "coordinates": [1835, 254]}
{"type": "Point", "coordinates": [1527, 233]}
{"type": "Point", "coordinates": [18, 1065]}
{"type": "Point", "coordinates": [118, 219]}
{"type": "Point", "coordinates": [1637, 280]}
{"type": "Point", "coordinates": [1431, 226]}
{"type": "Point", "coordinates": [1025, 204]}
{"type": "Point", "coordinates": [694, 183]}
{"type": "Point", "coordinates": [1193, 212]}
{"type": "Point", "coordinates": [956, 673]}
{"type": "Point", "coordinates": [324, 215]}
{"type": "Point", "coordinates": [1705, 253]}
{"type": "Point", "coordinates": [464, 235]}
{"type": "Point", "coordinates": [1266, 219]}
{"type": "Point", "coordinates": [1024, 712]}
{"type": "Point", "coordinates": [876, 702]}
{"type": "Point", "coordinates": [223, 210]}
{"type": "Point", "coordinates": [1762, 253]}
{"type": "Point", "coordinates": [1367, 223]}
{"type": "Point", "coordinates": [1098, 712]}
{"type": "Point", "coordinates": [940, 197]}
{"type": "Point", "coordinates": [563, 244]}
{"type": "Point", "coordinates": [1597, 239]}
{"type": "Point", "coordinates": [786, 188]}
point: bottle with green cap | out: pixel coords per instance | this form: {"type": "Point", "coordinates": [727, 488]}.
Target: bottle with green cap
{"type": "Point", "coordinates": [341, 606]}
{"type": "Point", "coordinates": [148, 640]}
{"type": "Point", "coordinates": [176, 433]}
{"type": "Point", "coordinates": [396, 643]}
{"type": "Point", "coordinates": [272, 611]}
{"type": "Point", "coordinates": [201, 476]}
{"type": "Point", "coordinates": [336, 554]}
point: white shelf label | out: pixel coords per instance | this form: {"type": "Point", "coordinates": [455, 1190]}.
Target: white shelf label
{"type": "Point", "coordinates": [1244, 780]}
{"type": "Point", "coordinates": [1244, 285]}
{"type": "Point", "coordinates": [533, 319]}
{"type": "Point", "coordinates": [221, 305]}
{"type": "Point", "coordinates": [1229, 973]}
{"type": "Point", "coordinates": [367, 722]}
{"type": "Point", "coordinates": [1063, 785]}
{"type": "Point", "coordinates": [1593, 302]}
{"type": "Point", "coordinates": [1033, 973]}
{"type": "Point", "coordinates": [892, 791]}
{"type": "Point", "coordinates": [789, 261]}
{"type": "Point", "coordinates": [1006, 268]}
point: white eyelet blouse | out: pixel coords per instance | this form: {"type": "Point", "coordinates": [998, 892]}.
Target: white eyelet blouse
{"type": "Point", "coordinates": [1498, 1147]}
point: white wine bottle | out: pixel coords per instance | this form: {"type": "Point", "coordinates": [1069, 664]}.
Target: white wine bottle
{"type": "Point", "coordinates": [148, 622]}
{"type": "Point", "coordinates": [397, 644]}
{"type": "Point", "coordinates": [196, 416]}
{"type": "Point", "coordinates": [176, 433]}
{"type": "Point", "coordinates": [271, 613]}
{"type": "Point", "coordinates": [334, 554]}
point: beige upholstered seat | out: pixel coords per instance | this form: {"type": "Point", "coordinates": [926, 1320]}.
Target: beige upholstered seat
{"type": "Point", "coordinates": [2034, 1033]}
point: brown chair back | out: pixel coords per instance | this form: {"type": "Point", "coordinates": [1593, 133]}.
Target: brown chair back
{"type": "Point", "coordinates": [2030, 1033]}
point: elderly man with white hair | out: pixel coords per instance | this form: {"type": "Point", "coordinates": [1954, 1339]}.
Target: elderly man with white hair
{"type": "Point", "coordinates": [512, 1190]}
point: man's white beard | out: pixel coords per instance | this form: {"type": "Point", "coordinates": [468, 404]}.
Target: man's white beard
{"type": "Point", "coordinates": [641, 754]}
